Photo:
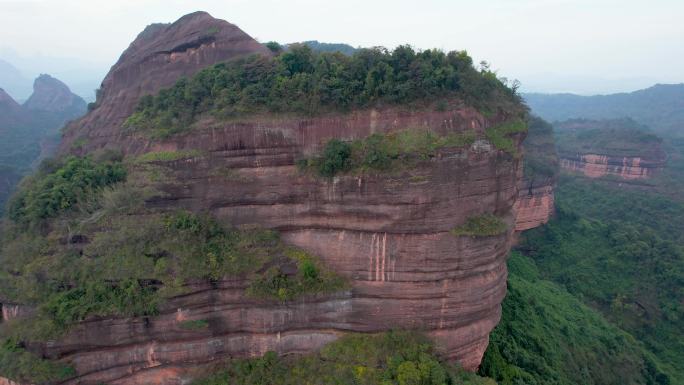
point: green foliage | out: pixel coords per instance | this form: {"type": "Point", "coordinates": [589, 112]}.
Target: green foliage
{"type": "Point", "coordinates": [100, 298]}
{"type": "Point", "coordinates": [547, 336]}
{"type": "Point", "coordinates": [310, 277]}
{"type": "Point", "coordinates": [302, 81]}
{"type": "Point", "coordinates": [198, 324]}
{"type": "Point", "coordinates": [659, 106]}
{"type": "Point", "coordinates": [617, 137]}
{"type": "Point", "coordinates": [20, 365]}
{"type": "Point", "coordinates": [274, 46]}
{"type": "Point", "coordinates": [383, 152]}
{"type": "Point", "coordinates": [61, 187]}
{"type": "Point", "coordinates": [117, 258]}
{"type": "Point", "coordinates": [335, 158]}
{"type": "Point", "coordinates": [500, 135]}
{"type": "Point", "coordinates": [167, 156]}
{"type": "Point", "coordinates": [485, 225]}
{"type": "Point", "coordinates": [541, 159]}
{"type": "Point", "coordinates": [620, 251]}
{"type": "Point", "coordinates": [317, 46]}
{"type": "Point", "coordinates": [392, 358]}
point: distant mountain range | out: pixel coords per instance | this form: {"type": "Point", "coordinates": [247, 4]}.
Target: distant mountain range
{"type": "Point", "coordinates": [30, 131]}
{"type": "Point", "coordinates": [330, 47]}
{"type": "Point", "coordinates": [13, 82]}
{"type": "Point", "coordinates": [660, 107]}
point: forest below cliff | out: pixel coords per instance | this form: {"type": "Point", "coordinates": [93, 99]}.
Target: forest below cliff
{"type": "Point", "coordinates": [595, 296]}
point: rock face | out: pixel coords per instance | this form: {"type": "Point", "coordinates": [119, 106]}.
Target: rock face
{"type": "Point", "coordinates": [388, 233]}
{"type": "Point", "coordinates": [626, 167]}
{"type": "Point", "coordinates": [535, 203]}
{"type": "Point", "coordinates": [618, 148]}
{"type": "Point", "coordinates": [534, 206]}
{"type": "Point", "coordinates": [157, 58]}
{"type": "Point", "coordinates": [51, 95]}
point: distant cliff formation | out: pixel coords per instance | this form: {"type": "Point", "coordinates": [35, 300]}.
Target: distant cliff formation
{"type": "Point", "coordinates": [535, 203]}
{"type": "Point", "coordinates": [619, 148]}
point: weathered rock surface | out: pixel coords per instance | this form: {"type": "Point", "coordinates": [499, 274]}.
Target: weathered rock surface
{"type": "Point", "coordinates": [387, 233]}
{"type": "Point", "coordinates": [157, 58]}
{"type": "Point", "coordinates": [626, 167]}
{"type": "Point", "coordinates": [535, 203]}
{"type": "Point", "coordinates": [51, 95]}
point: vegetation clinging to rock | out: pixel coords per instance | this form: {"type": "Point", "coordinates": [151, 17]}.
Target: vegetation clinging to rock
{"type": "Point", "coordinates": [484, 225]}
{"type": "Point", "coordinates": [383, 152]}
{"type": "Point", "coordinates": [391, 358]}
{"type": "Point", "coordinates": [305, 82]}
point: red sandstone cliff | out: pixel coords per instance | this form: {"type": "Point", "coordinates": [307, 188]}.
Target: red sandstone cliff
{"type": "Point", "coordinates": [620, 148]}
{"type": "Point", "coordinates": [389, 234]}
{"type": "Point", "coordinates": [535, 203]}
{"type": "Point", "coordinates": [157, 58]}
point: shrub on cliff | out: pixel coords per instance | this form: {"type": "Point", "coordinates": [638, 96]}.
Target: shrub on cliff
{"type": "Point", "coordinates": [59, 187]}
{"type": "Point", "coordinates": [384, 152]}
{"type": "Point", "coordinates": [17, 364]}
{"type": "Point", "coordinates": [484, 225]}
{"type": "Point", "coordinates": [392, 358]}
{"type": "Point", "coordinates": [335, 158]}
{"type": "Point", "coordinates": [301, 81]}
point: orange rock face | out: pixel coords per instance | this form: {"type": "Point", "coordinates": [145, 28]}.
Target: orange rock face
{"type": "Point", "coordinates": [596, 166]}
{"type": "Point", "coordinates": [534, 207]}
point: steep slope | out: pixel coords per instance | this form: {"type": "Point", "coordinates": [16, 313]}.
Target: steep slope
{"type": "Point", "coordinates": [157, 58]}
{"type": "Point", "coordinates": [30, 132]}
{"type": "Point", "coordinates": [51, 95]}
{"type": "Point", "coordinates": [535, 203]}
{"type": "Point", "coordinates": [548, 336]}
{"type": "Point", "coordinates": [659, 107]}
{"type": "Point", "coordinates": [619, 148]}
{"type": "Point", "coordinates": [10, 112]}
{"type": "Point", "coordinates": [394, 210]}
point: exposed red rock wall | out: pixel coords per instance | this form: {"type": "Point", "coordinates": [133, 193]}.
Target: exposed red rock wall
{"type": "Point", "coordinates": [534, 206]}
{"type": "Point", "coordinates": [596, 166]}
{"type": "Point", "coordinates": [12, 311]}
{"type": "Point", "coordinates": [389, 234]}
{"type": "Point", "coordinates": [159, 56]}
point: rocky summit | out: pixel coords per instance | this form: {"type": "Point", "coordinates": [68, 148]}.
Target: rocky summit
{"type": "Point", "coordinates": [407, 206]}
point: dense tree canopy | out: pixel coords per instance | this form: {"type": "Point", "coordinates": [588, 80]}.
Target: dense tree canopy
{"type": "Point", "coordinates": [302, 81]}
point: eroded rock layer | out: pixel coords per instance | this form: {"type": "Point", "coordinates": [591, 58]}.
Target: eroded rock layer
{"type": "Point", "coordinates": [389, 233]}
{"type": "Point", "coordinates": [534, 206]}
{"type": "Point", "coordinates": [157, 58]}
{"type": "Point", "coordinates": [596, 166]}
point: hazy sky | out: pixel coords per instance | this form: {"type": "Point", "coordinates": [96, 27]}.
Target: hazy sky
{"type": "Point", "coordinates": [582, 46]}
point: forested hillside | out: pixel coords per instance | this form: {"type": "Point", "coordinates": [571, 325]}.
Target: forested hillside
{"type": "Point", "coordinates": [659, 107]}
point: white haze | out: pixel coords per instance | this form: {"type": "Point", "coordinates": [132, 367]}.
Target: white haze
{"type": "Point", "coordinates": [581, 46]}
